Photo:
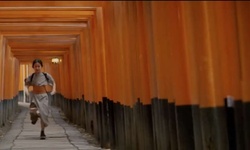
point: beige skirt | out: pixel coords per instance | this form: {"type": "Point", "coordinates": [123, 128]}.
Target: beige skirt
{"type": "Point", "coordinates": [42, 104]}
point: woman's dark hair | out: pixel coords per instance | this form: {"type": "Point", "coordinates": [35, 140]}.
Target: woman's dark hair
{"type": "Point", "coordinates": [37, 61]}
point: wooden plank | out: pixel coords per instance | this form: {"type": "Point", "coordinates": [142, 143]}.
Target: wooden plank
{"type": "Point", "coordinates": [51, 5]}
{"type": "Point", "coordinates": [45, 14]}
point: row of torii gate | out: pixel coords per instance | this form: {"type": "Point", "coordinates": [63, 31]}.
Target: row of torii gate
{"type": "Point", "coordinates": [136, 74]}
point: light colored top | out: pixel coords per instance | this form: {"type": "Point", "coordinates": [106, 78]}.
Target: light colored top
{"type": "Point", "coordinates": [39, 79]}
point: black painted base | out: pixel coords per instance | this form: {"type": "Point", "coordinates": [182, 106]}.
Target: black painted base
{"type": "Point", "coordinates": [162, 125]}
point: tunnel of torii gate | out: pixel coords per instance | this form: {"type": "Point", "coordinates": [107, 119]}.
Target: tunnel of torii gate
{"type": "Point", "coordinates": [138, 75]}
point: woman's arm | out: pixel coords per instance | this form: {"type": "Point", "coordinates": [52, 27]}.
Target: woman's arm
{"type": "Point", "coordinates": [53, 89]}
{"type": "Point", "coordinates": [26, 90]}
{"type": "Point", "coordinates": [52, 83]}
{"type": "Point", "coordinates": [27, 84]}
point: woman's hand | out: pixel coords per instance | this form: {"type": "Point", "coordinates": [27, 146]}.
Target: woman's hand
{"type": "Point", "coordinates": [53, 92]}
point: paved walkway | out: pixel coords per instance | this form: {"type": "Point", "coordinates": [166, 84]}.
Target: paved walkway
{"type": "Point", "coordinates": [60, 135]}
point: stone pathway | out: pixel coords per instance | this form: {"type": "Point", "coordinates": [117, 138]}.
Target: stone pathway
{"type": "Point", "coordinates": [60, 134]}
